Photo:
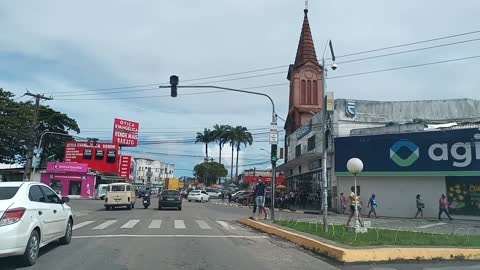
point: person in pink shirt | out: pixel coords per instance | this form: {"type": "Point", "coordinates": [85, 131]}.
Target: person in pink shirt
{"type": "Point", "coordinates": [442, 203]}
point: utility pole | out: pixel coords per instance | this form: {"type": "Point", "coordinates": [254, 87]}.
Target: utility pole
{"type": "Point", "coordinates": [324, 130]}
{"type": "Point", "coordinates": [33, 135]}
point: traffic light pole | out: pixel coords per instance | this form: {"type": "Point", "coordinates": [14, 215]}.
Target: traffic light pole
{"type": "Point", "coordinates": [174, 80]}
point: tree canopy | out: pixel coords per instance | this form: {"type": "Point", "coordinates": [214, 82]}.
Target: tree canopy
{"type": "Point", "coordinates": [212, 171]}
{"type": "Point", "coordinates": [16, 129]}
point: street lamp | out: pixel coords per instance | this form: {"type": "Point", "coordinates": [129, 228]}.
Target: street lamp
{"type": "Point", "coordinates": [324, 131]}
{"type": "Point", "coordinates": [355, 166]}
{"type": "Point", "coordinates": [174, 81]}
{"type": "Point", "coordinates": [265, 151]}
{"type": "Point", "coordinates": [40, 142]}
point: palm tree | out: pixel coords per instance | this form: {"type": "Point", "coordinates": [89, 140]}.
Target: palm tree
{"type": "Point", "coordinates": [238, 136]}
{"type": "Point", "coordinates": [220, 135]}
{"type": "Point", "coordinates": [206, 137]}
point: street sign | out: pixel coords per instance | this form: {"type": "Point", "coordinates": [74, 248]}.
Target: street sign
{"type": "Point", "coordinates": [273, 136]}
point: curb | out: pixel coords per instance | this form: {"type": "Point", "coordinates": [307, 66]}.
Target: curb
{"type": "Point", "coordinates": [367, 254]}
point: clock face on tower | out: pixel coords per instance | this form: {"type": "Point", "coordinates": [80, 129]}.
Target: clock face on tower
{"type": "Point", "coordinates": [308, 74]}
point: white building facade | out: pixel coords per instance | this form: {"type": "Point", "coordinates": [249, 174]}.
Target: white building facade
{"type": "Point", "coordinates": [152, 171]}
{"type": "Point", "coordinates": [304, 146]}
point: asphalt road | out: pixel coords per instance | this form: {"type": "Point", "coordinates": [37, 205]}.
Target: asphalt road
{"type": "Point", "coordinates": [201, 236]}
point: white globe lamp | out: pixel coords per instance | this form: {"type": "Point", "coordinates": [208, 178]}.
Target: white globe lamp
{"type": "Point", "coordinates": [355, 165]}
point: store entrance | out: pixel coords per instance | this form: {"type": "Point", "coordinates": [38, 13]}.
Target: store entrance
{"type": "Point", "coordinates": [74, 188]}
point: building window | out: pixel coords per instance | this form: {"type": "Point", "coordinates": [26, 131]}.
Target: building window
{"type": "Point", "coordinates": [309, 92]}
{"type": "Point", "coordinates": [87, 153]}
{"type": "Point", "coordinates": [298, 150]}
{"type": "Point", "coordinates": [99, 154]}
{"type": "Point", "coordinates": [303, 93]}
{"type": "Point", "coordinates": [315, 92]}
{"type": "Point", "coordinates": [311, 143]}
{"type": "Point", "coordinates": [291, 172]}
{"type": "Point", "coordinates": [299, 169]}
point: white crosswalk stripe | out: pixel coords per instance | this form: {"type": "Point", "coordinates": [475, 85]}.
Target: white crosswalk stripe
{"type": "Point", "coordinates": [226, 225]}
{"type": "Point", "coordinates": [130, 224]}
{"type": "Point", "coordinates": [203, 225]}
{"type": "Point", "coordinates": [179, 224]}
{"type": "Point", "coordinates": [82, 224]}
{"type": "Point", "coordinates": [105, 224]}
{"type": "Point", "coordinates": [155, 224]}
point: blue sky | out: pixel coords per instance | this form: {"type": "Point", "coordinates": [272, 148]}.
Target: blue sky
{"type": "Point", "coordinates": [69, 49]}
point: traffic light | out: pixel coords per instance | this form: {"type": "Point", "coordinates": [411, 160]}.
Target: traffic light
{"type": "Point", "coordinates": [274, 153]}
{"type": "Point", "coordinates": [173, 85]}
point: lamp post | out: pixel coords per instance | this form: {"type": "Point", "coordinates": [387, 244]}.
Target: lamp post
{"type": "Point", "coordinates": [174, 81]}
{"type": "Point", "coordinates": [40, 143]}
{"type": "Point", "coordinates": [324, 131]}
{"type": "Point", "coordinates": [355, 166]}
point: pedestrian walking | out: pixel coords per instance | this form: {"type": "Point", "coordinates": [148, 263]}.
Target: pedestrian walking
{"type": "Point", "coordinates": [343, 203]}
{"type": "Point", "coordinates": [229, 197]}
{"type": "Point", "coordinates": [260, 199]}
{"type": "Point", "coordinates": [254, 198]}
{"type": "Point", "coordinates": [420, 206]}
{"type": "Point", "coordinates": [442, 203]}
{"type": "Point", "coordinates": [354, 198]}
{"type": "Point", "coordinates": [372, 203]}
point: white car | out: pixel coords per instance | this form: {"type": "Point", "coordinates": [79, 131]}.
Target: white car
{"type": "Point", "coordinates": [213, 193]}
{"type": "Point", "coordinates": [31, 216]}
{"type": "Point", "coordinates": [198, 196]}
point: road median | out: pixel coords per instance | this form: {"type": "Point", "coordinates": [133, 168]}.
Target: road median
{"type": "Point", "coordinates": [350, 254]}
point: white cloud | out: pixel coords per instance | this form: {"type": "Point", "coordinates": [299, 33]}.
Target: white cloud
{"type": "Point", "coordinates": [53, 46]}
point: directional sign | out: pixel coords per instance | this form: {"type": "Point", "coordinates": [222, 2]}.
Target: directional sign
{"type": "Point", "coordinates": [273, 136]}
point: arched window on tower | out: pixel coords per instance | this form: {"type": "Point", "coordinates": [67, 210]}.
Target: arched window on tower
{"type": "Point", "coordinates": [303, 95]}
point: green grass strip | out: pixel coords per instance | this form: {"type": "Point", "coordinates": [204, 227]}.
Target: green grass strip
{"type": "Point", "coordinates": [380, 237]}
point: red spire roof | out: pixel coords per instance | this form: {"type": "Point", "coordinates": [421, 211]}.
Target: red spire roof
{"type": "Point", "coordinates": [306, 49]}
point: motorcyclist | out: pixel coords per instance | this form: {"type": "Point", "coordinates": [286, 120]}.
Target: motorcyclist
{"type": "Point", "coordinates": [147, 195]}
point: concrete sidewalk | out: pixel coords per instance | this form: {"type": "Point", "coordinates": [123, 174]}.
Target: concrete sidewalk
{"type": "Point", "coordinates": [468, 227]}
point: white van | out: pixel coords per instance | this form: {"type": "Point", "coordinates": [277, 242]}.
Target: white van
{"type": "Point", "coordinates": [101, 191]}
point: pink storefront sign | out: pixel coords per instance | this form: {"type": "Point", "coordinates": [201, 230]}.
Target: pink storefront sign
{"type": "Point", "coordinates": [65, 183]}
{"type": "Point", "coordinates": [65, 167]}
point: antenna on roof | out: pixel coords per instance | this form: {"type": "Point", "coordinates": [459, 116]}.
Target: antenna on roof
{"type": "Point", "coordinates": [306, 4]}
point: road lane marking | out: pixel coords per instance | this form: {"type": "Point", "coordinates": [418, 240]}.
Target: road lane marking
{"type": "Point", "coordinates": [203, 225]}
{"type": "Point", "coordinates": [226, 225]}
{"type": "Point", "coordinates": [431, 225]}
{"type": "Point", "coordinates": [179, 224]}
{"type": "Point", "coordinates": [168, 236]}
{"type": "Point", "coordinates": [105, 224]}
{"type": "Point", "coordinates": [82, 224]}
{"type": "Point", "coordinates": [155, 224]}
{"type": "Point", "coordinates": [130, 224]}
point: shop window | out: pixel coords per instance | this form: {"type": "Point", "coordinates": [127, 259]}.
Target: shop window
{"type": "Point", "coordinates": [298, 150]}
{"type": "Point", "coordinates": [99, 154]}
{"type": "Point", "coordinates": [111, 156]}
{"type": "Point", "coordinates": [74, 188]}
{"type": "Point", "coordinates": [311, 143]}
{"type": "Point", "coordinates": [87, 153]}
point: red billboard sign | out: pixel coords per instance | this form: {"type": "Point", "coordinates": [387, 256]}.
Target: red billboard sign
{"type": "Point", "coordinates": [124, 166]}
{"type": "Point", "coordinates": [125, 133]}
{"type": "Point", "coordinates": [101, 157]}
{"type": "Point", "coordinates": [267, 179]}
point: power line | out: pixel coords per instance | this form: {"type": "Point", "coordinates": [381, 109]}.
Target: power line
{"type": "Point", "coordinates": [282, 66]}
{"type": "Point", "coordinates": [405, 67]}
{"type": "Point", "coordinates": [275, 73]}
{"type": "Point", "coordinates": [409, 51]}
{"type": "Point", "coordinates": [409, 44]}
{"type": "Point", "coordinates": [334, 77]}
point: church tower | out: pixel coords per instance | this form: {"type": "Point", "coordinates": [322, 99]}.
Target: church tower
{"type": "Point", "coordinates": [305, 76]}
